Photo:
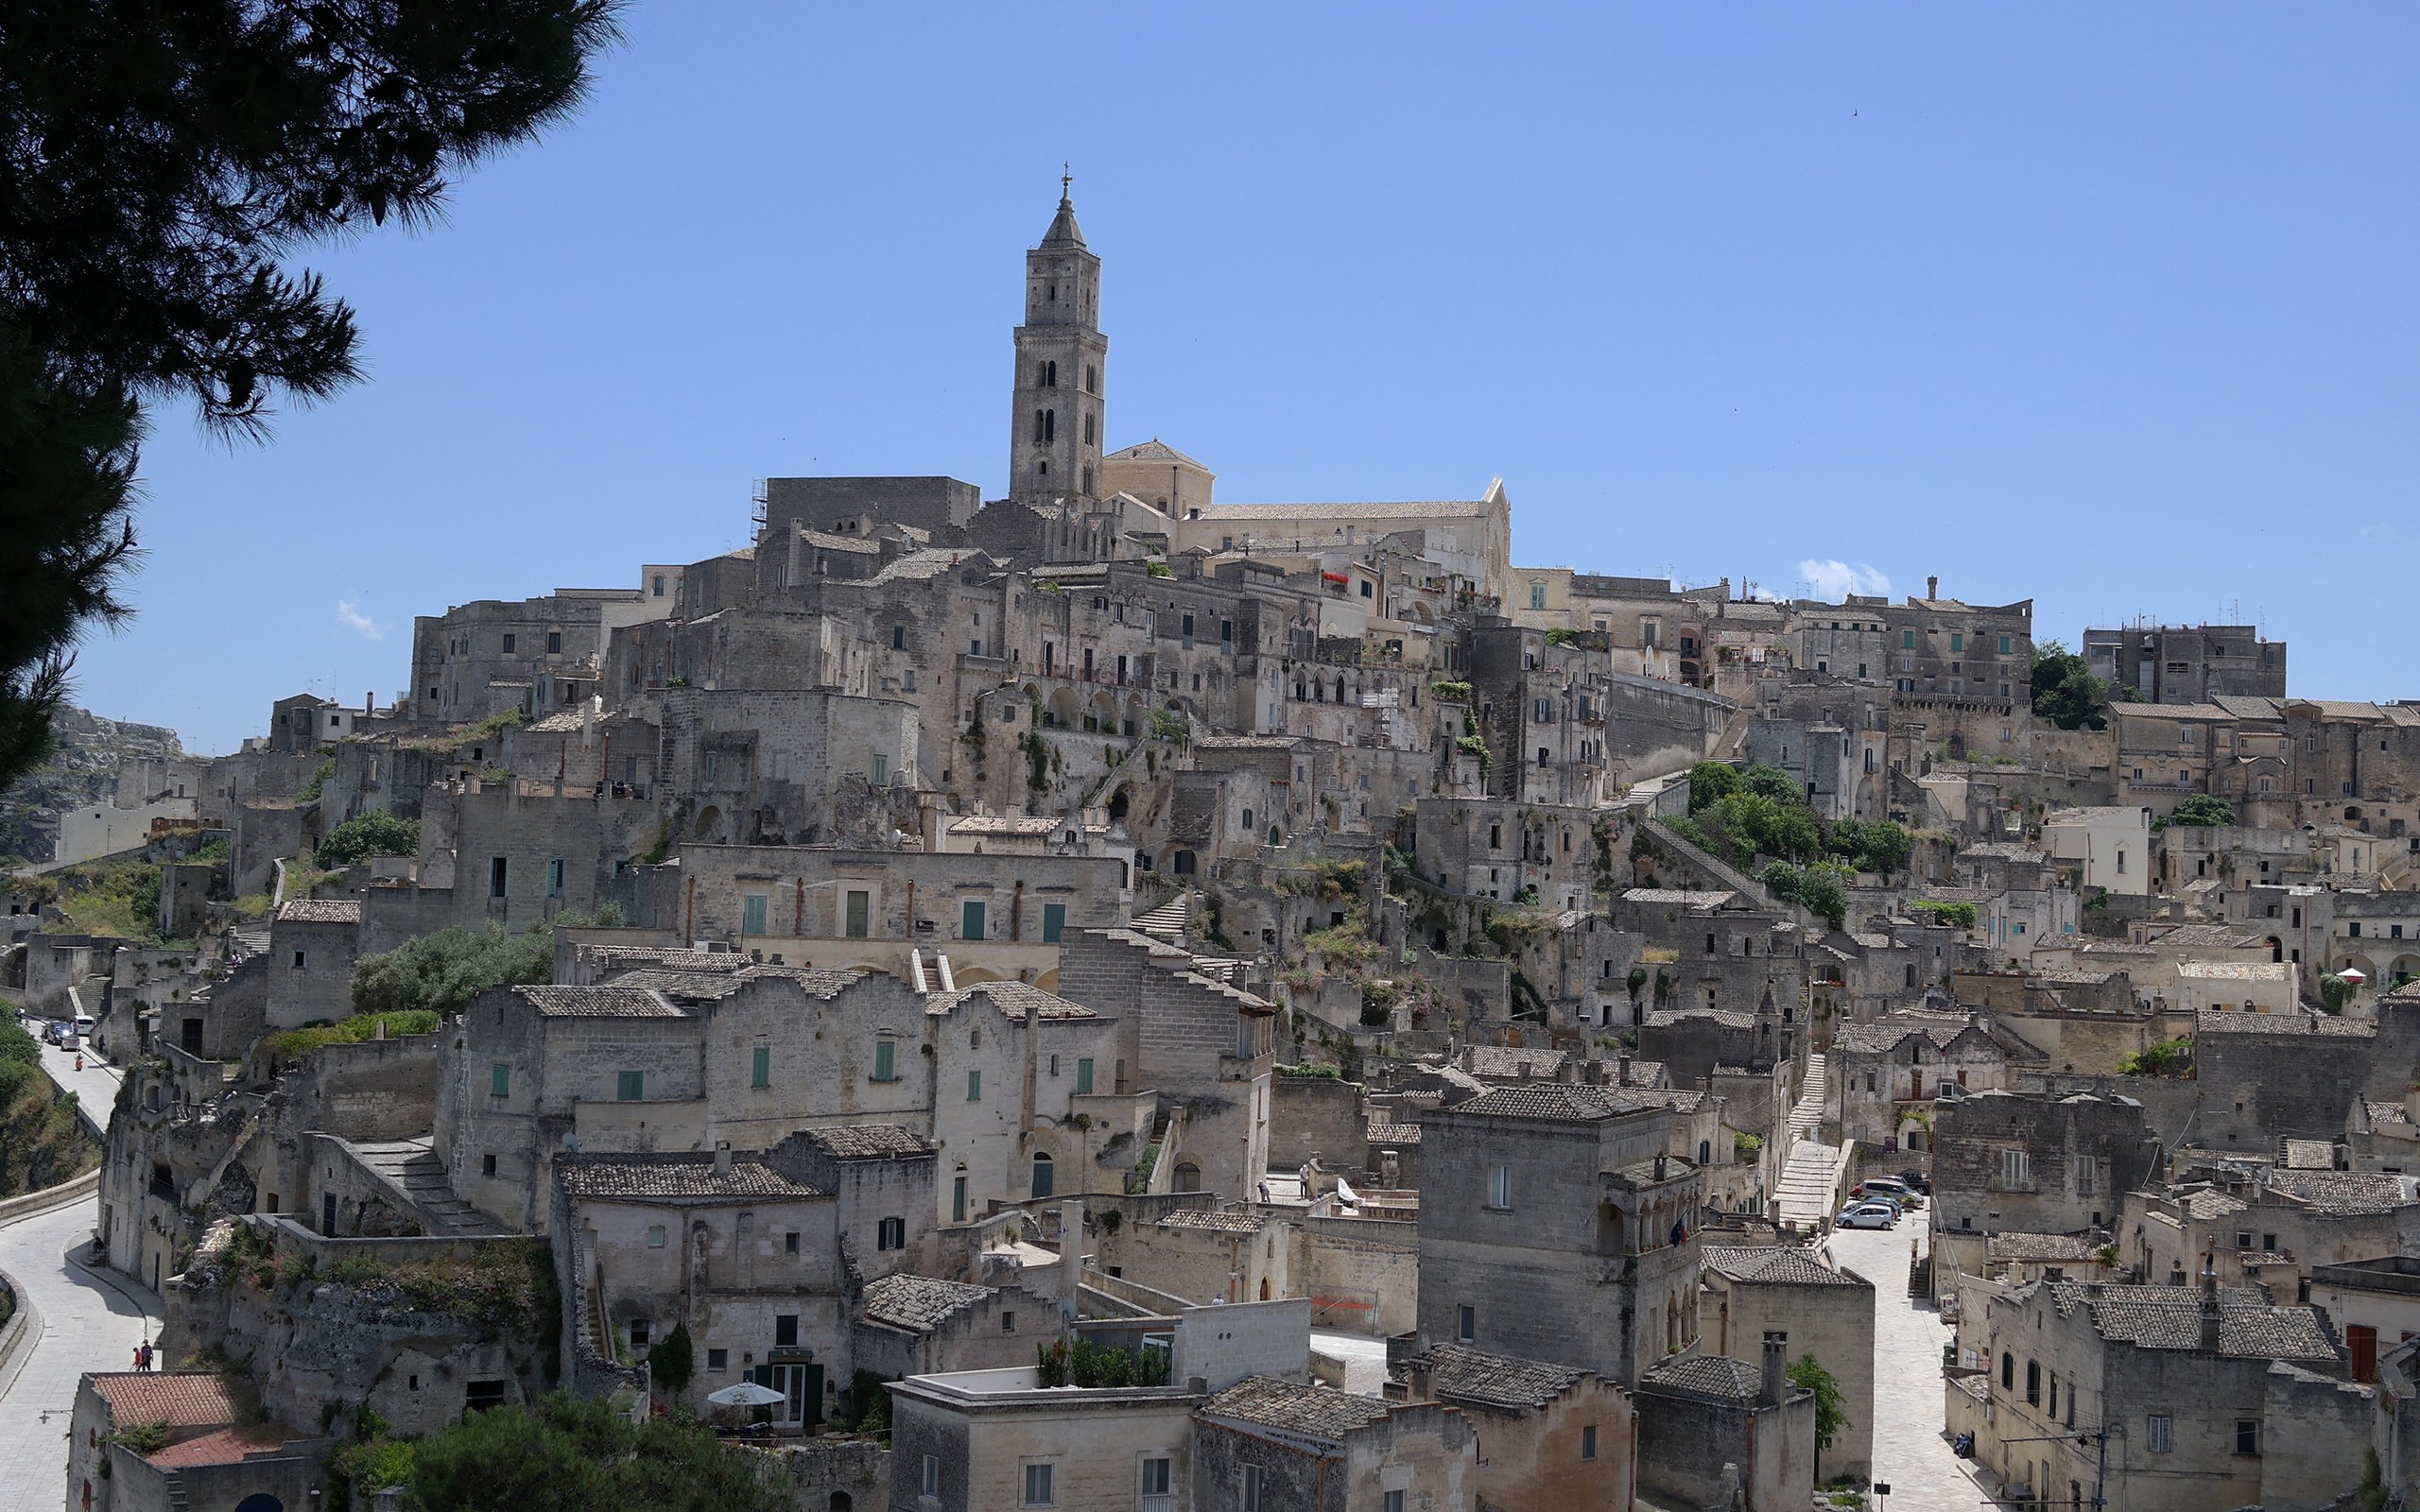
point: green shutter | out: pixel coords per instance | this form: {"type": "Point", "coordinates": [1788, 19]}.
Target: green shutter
{"type": "Point", "coordinates": [630, 1086]}
{"type": "Point", "coordinates": [974, 1086]}
{"type": "Point", "coordinates": [500, 1080]}
{"type": "Point", "coordinates": [1054, 919]}
{"type": "Point", "coordinates": [860, 904]}
{"type": "Point", "coordinates": [1083, 1076]}
{"type": "Point", "coordinates": [760, 1069]}
{"type": "Point", "coordinates": [969, 920]}
{"type": "Point", "coordinates": [751, 914]}
{"type": "Point", "coordinates": [886, 1061]}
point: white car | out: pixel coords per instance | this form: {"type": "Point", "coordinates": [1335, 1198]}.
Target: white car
{"type": "Point", "coordinates": [1867, 1215]}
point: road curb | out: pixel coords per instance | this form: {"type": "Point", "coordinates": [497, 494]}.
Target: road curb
{"type": "Point", "coordinates": [19, 1335]}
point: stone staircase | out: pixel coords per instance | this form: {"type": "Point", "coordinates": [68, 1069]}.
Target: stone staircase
{"type": "Point", "coordinates": [1811, 1177]}
{"type": "Point", "coordinates": [1169, 922]}
{"type": "Point", "coordinates": [414, 1169]}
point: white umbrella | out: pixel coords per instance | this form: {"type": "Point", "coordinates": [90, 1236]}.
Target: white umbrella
{"type": "Point", "coordinates": [2354, 975]}
{"type": "Point", "coordinates": [746, 1394]}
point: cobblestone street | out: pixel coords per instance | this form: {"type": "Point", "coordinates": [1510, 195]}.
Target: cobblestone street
{"type": "Point", "coordinates": [1910, 1452]}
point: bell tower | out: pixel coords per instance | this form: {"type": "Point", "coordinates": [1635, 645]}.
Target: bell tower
{"type": "Point", "coordinates": [1055, 429]}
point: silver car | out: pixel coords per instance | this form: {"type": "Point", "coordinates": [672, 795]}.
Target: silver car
{"type": "Point", "coordinates": [1867, 1215]}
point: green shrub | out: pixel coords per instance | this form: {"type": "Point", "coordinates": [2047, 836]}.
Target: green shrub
{"type": "Point", "coordinates": [1953, 915]}
{"type": "Point", "coordinates": [440, 973]}
{"type": "Point", "coordinates": [320, 775]}
{"type": "Point", "coordinates": [672, 1362]}
{"type": "Point", "coordinates": [1451, 692]}
{"type": "Point", "coordinates": [289, 1043]}
{"type": "Point", "coordinates": [374, 833]}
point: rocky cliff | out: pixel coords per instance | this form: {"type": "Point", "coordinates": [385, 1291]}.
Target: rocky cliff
{"type": "Point", "coordinates": [84, 771]}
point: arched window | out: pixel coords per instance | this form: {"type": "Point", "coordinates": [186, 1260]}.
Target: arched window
{"type": "Point", "coordinates": [1049, 424]}
{"type": "Point", "coordinates": [1088, 428]}
{"type": "Point", "coordinates": [1705, 1152]}
{"type": "Point", "coordinates": [1246, 818]}
{"type": "Point", "coordinates": [1049, 375]}
{"type": "Point", "coordinates": [1276, 837]}
{"type": "Point", "coordinates": [1044, 1173]}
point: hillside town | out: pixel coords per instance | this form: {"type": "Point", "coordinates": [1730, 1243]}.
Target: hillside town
{"type": "Point", "coordinates": [1101, 996]}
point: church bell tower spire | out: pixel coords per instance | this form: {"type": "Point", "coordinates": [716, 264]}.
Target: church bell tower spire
{"type": "Point", "coordinates": [1056, 424]}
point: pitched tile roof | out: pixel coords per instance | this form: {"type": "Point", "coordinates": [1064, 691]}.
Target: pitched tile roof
{"type": "Point", "coordinates": [867, 1142]}
{"type": "Point", "coordinates": [1316, 1412]}
{"type": "Point", "coordinates": [1461, 1374]}
{"type": "Point", "coordinates": [673, 1178]}
{"type": "Point", "coordinates": [598, 1002]}
{"type": "Point", "coordinates": [321, 911]}
{"type": "Point", "coordinates": [1225, 1223]}
{"type": "Point", "coordinates": [2347, 1192]}
{"type": "Point", "coordinates": [918, 1303]}
{"type": "Point", "coordinates": [2042, 1248]}
{"type": "Point", "coordinates": [221, 1446]}
{"type": "Point", "coordinates": [2170, 1317]}
{"type": "Point", "coordinates": [1676, 894]}
{"type": "Point", "coordinates": [1714, 1377]}
{"type": "Point", "coordinates": [1554, 1100]}
{"type": "Point", "coordinates": [180, 1399]}
{"type": "Point", "coordinates": [1500, 1060]}
{"type": "Point", "coordinates": [1771, 1265]}
{"type": "Point", "coordinates": [1018, 1000]}
{"type": "Point", "coordinates": [1403, 1133]}
{"type": "Point", "coordinates": [2318, 1026]}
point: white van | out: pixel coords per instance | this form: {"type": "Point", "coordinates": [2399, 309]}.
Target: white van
{"type": "Point", "coordinates": [80, 1031]}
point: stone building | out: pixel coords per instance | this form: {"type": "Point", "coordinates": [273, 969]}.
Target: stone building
{"type": "Point", "coordinates": [1553, 1226]}
{"type": "Point", "coordinates": [1712, 1429]}
{"type": "Point", "coordinates": [2210, 1397]}
{"type": "Point", "coordinates": [973, 1440]}
{"type": "Point", "coordinates": [2187, 664]}
{"type": "Point", "coordinates": [212, 1460]}
{"type": "Point", "coordinates": [1265, 1442]}
{"type": "Point", "coordinates": [909, 1325]}
{"type": "Point", "coordinates": [2037, 1164]}
{"type": "Point", "coordinates": [1883, 1074]}
{"type": "Point", "coordinates": [1547, 1435]}
{"type": "Point", "coordinates": [1827, 1310]}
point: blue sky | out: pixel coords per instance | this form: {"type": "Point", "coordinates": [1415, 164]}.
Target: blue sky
{"type": "Point", "coordinates": [2112, 308]}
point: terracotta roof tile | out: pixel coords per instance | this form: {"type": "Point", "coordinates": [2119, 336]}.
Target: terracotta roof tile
{"type": "Point", "coordinates": [919, 1303]}
{"type": "Point", "coordinates": [1316, 1412]}
{"type": "Point", "coordinates": [180, 1399]}
{"type": "Point", "coordinates": [1461, 1374]}
{"type": "Point", "coordinates": [672, 1178]}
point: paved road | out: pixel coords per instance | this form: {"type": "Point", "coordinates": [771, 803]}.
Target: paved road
{"type": "Point", "coordinates": [1909, 1450]}
{"type": "Point", "coordinates": [1365, 1359]}
{"type": "Point", "coordinates": [87, 1321]}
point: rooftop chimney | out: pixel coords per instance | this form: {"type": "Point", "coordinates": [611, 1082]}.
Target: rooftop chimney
{"type": "Point", "coordinates": [1776, 1377]}
{"type": "Point", "coordinates": [1623, 1079]}
{"type": "Point", "coordinates": [1470, 1058]}
{"type": "Point", "coordinates": [722, 1158]}
{"type": "Point", "coordinates": [1659, 1167]}
{"type": "Point", "coordinates": [1932, 588]}
{"type": "Point", "coordinates": [2209, 1302]}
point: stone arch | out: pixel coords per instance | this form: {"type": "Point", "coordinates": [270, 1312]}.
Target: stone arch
{"type": "Point", "coordinates": [1188, 1177]}
{"type": "Point", "coordinates": [2277, 950]}
{"type": "Point", "coordinates": [260, 1502]}
{"type": "Point", "coordinates": [1119, 802]}
{"type": "Point", "coordinates": [2401, 969]}
{"type": "Point", "coordinates": [1048, 981]}
{"type": "Point", "coordinates": [1103, 710]}
{"type": "Point", "coordinates": [1065, 707]}
{"type": "Point", "coordinates": [711, 825]}
{"type": "Point", "coordinates": [971, 975]}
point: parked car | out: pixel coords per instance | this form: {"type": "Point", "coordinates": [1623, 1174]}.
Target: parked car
{"type": "Point", "coordinates": [54, 1031]}
{"type": "Point", "coordinates": [1867, 1215]}
{"type": "Point", "coordinates": [1889, 1187]}
{"type": "Point", "coordinates": [1918, 1181]}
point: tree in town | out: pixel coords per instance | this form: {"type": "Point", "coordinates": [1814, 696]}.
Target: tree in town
{"type": "Point", "coordinates": [163, 162]}
{"type": "Point", "coordinates": [2065, 690]}
{"type": "Point", "coordinates": [1807, 1374]}
{"type": "Point", "coordinates": [2203, 811]}
{"type": "Point", "coordinates": [1710, 782]}
{"type": "Point", "coordinates": [569, 1455]}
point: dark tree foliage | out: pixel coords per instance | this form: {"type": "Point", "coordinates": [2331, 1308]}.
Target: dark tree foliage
{"type": "Point", "coordinates": [1710, 782]}
{"type": "Point", "coordinates": [2204, 810]}
{"type": "Point", "coordinates": [158, 165]}
{"type": "Point", "coordinates": [566, 1455]}
{"type": "Point", "coordinates": [2066, 692]}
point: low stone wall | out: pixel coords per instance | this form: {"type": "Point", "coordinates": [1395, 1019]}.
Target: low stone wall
{"type": "Point", "coordinates": [816, 1471]}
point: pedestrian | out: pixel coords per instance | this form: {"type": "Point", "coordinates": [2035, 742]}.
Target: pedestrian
{"type": "Point", "coordinates": [148, 1357]}
{"type": "Point", "coordinates": [138, 1357]}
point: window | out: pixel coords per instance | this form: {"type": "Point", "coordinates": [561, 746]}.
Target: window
{"type": "Point", "coordinates": [655, 1239]}
{"type": "Point", "coordinates": [790, 1243]}
{"type": "Point", "coordinates": [2006, 645]}
{"type": "Point", "coordinates": [1537, 595]}
{"type": "Point", "coordinates": [554, 642]}
{"type": "Point", "coordinates": [1037, 1484]}
{"type": "Point", "coordinates": [2032, 1383]}
{"type": "Point", "coordinates": [751, 914]}
{"type": "Point", "coordinates": [932, 1476]}
{"type": "Point", "coordinates": [630, 1086]}
{"type": "Point", "coordinates": [1251, 1489]}
{"type": "Point", "coordinates": [1499, 1187]}
{"type": "Point", "coordinates": [1155, 1477]}
{"type": "Point", "coordinates": [495, 876]}
{"type": "Point", "coordinates": [300, 958]}
{"type": "Point", "coordinates": [1395, 1501]}
{"type": "Point", "coordinates": [556, 870]}
{"type": "Point", "coordinates": [886, 1061]}
{"type": "Point", "coordinates": [641, 1330]}
{"type": "Point", "coordinates": [2247, 1435]}
{"type": "Point", "coordinates": [1465, 1324]}
{"type": "Point", "coordinates": [2008, 1372]}
{"type": "Point", "coordinates": [785, 1331]}
{"type": "Point", "coordinates": [1956, 640]}
{"type": "Point", "coordinates": [1044, 1173]}
{"type": "Point", "coordinates": [1588, 1442]}
{"type": "Point", "coordinates": [1083, 1076]}
{"type": "Point", "coordinates": [1054, 921]}
{"type": "Point", "coordinates": [891, 1233]}
{"type": "Point", "coordinates": [974, 1086]}
{"type": "Point", "coordinates": [499, 1081]}
{"type": "Point", "coordinates": [507, 643]}
{"type": "Point", "coordinates": [2161, 1432]}
{"type": "Point", "coordinates": [881, 770]}
{"type": "Point", "coordinates": [487, 1167]}
{"type": "Point", "coordinates": [658, 585]}
{"type": "Point", "coordinates": [1367, 592]}
{"type": "Point", "coordinates": [717, 1359]}
{"type": "Point", "coordinates": [970, 920]}
{"type": "Point", "coordinates": [859, 905]}
{"type": "Point", "coordinates": [2362, 1342]}
{"type": "Point", "coordinates": [760, 1066]}
{"type": "Point", "coordinates": [1907, 640]}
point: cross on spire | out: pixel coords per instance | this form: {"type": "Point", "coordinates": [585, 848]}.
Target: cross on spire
{"type": "Point", "coordinates": [1067, 179]}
